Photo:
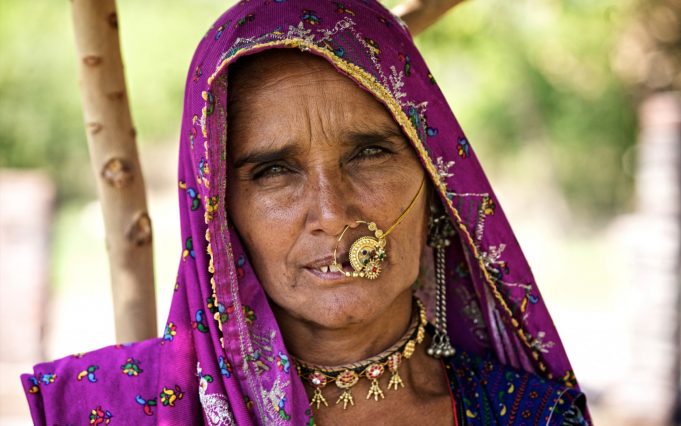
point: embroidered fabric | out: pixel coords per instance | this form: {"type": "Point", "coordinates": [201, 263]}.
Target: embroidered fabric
{"type": "Point", "coordinates": [215, 406]}
{"type": "Point", "coordinates": [220, 316]}
{"type": "Point", "coordinates": [488, 393]}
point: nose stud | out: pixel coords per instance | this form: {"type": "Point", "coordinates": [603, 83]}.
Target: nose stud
{"type": "Point", "coordinates": [368, 253]}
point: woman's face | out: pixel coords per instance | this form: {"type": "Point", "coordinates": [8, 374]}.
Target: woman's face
{"type": "Point", "coordinates": [309, 153]}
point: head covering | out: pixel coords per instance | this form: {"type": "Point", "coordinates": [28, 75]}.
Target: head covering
{"type": "Point", "coordinates": [222, 341]}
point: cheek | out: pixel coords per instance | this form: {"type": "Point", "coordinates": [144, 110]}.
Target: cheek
{"type": "Point", "coordinates": [408, 245]}
{"type": "Point", "coordinates": [257, 214]}
{"type": "Point", "coordinates": [267, 230]}
{"type": "Point", "coordinates": [400, 182]}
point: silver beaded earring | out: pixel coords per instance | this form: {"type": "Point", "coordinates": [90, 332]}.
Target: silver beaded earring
{"type": "Point", "coordinates": [440, 231]}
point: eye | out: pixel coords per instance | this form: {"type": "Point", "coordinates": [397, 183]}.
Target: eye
{"type": "Point", "coordinates": [371, 152]}
{"type": "Point", "coordinates": [269, 171]}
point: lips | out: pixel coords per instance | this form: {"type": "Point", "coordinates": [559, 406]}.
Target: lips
{"type": "Point", "coordinates": [326, 261]}
{"type": "Point", "coordinates": [324, 266]}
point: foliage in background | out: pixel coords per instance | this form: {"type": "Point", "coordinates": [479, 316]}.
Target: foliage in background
{"type": "Point", "coordinates": [649, 54]}
{"type": "Point", "coordinates": [41, 123]}
{"type": "Point", "coordinates": [522, 75]}
{"type": "Point", "coordinates": [537, 75]}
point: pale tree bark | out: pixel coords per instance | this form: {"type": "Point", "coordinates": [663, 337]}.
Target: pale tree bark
{"type": "Point", "coordinates": [420, 14]}
{"type": "Point", "coordinates": [113, 154]}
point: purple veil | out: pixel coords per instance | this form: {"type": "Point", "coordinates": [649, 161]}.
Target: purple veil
{"type": "Point", "coordinates": [221, 356]}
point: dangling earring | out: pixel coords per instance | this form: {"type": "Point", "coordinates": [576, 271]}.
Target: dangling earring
{"type": "Point", "coordinates": [439, 232]}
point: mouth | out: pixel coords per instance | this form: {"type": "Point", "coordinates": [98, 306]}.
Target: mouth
{"type": "Point", "coordinates": [325, 269]}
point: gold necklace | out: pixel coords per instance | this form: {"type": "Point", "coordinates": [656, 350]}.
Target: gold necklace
{"type": "Point", "coordinates": [348, 375]}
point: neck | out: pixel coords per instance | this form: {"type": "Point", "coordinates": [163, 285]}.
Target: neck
{"type": "Point", "coordinates": [354, 342]}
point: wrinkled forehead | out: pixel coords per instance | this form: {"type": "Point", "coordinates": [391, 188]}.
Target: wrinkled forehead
{"type": "Point", "coordinates": [271, 67]}
{"type": "Point", "coordinates": [286, 85]}
{"type": "Point", "coordinates": [278, 73]}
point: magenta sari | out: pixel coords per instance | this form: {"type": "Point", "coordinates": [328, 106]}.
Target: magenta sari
{"type": "Point", "coordinates": [221, 359]}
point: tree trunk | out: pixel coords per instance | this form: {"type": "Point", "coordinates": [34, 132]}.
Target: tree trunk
{"type": "Point", "coordinates": [113, 154]}
{"type": "Point", "coordinates": [421, 14]}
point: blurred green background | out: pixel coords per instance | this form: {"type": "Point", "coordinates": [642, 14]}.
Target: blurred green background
{"type": "Point", "coordinates": [533, 83]}
{"type": "Point", "coordinates": [40, 109]}
{"type": "Point", "coordinates": [520, 75]}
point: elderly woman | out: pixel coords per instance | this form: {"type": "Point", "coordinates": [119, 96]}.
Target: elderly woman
{"type": "Point", "coordinates": [331, 207]}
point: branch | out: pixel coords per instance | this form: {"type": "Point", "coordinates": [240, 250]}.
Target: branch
{"type": "Point", "coordinates": [420, 14]}
{"type": "Point", "coordinates": [113, 154]}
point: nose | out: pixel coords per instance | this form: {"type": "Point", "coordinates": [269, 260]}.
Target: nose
{"type": "Point", "coordinates": [330, 204]}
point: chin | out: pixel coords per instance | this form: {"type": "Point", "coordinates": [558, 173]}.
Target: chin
{"type": "Point", "coordinates": [355, 303]}
{"type": "Point", "coordinates": [349, 306]}
{"type": "Point", "coordinates": [337, 304]}
{"type": "Point", "coordinates": [344, 306]}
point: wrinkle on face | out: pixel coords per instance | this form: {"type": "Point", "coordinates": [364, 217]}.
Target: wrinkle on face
{"type": "Point", "coordinates": [318, 122]}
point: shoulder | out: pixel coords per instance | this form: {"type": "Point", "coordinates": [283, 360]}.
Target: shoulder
{"type": "Point", "coordinates": [121, 381]}
{"type": "Point", "coordinates": [493, 393]}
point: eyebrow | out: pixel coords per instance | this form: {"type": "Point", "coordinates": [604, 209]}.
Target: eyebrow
{"type": "Point", "coordinates": [352, 138]}
{"type": "Point", "coordinates": [267, 155]}
{"type": "Point", "coordinates": [364, 138]}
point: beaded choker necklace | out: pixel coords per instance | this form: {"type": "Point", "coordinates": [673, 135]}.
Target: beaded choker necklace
{"type": "Point", "coordinates": [347, 376]}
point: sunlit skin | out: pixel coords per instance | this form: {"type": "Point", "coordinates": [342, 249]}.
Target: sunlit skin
{"type": "Point", "coordinates": [309, 152]}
